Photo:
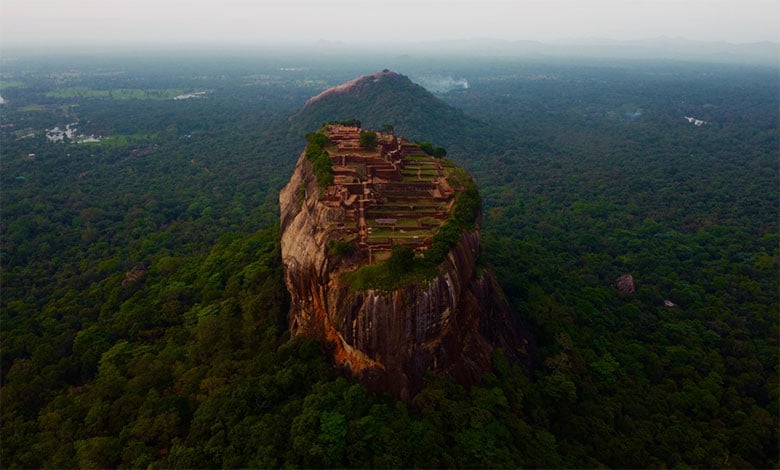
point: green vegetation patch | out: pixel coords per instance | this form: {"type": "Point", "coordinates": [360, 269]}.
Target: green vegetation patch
{"type": "Point", "coordinates": [347, 122]}
{"type": "Point", "coordinates": [427, 174]}
{"type": "Point", "coordinates": [417, 158]}
{"type": "Point", "coordinates": [427, 147]}
{"type": "Point", "coordinates": [407, 223]}
{"type": "Point", "coordinates": [409, 178]}
{"type": "Point", "coordinates": [116, 94]}
{"type": "Point", "coordinates": [319, 158]}
{"type": "Point", "coordinates": [368, 139]}
{"type": "Point", "coordinates": [340, 247]}
{"type": "Point", "coordinates": [77, 92]}
{"type": "Point", "coordinates": [464, 217]}
{"type": "Point", "coordinates": [32, 108]}
{"type": "Point", "coordinates": [125, 140]}
{"type": "Point", "coordinates": [401, 269]}
{"type": "Point", "coordinates": [397, 234]}
{"type": "Point", "coordinates": [11, 84]}
{"type": "Point", "coordinates": [458, 177]}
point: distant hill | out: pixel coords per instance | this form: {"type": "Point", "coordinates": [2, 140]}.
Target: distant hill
{"type": "Point", "coordinates": [390, 98]}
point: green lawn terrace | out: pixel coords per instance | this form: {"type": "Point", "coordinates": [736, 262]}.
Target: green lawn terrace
{"type": "Point", "coordinates": [391, 194]}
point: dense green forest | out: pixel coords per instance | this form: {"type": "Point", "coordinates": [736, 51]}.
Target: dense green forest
{"type": "Point", "coordinates": [143, 311]}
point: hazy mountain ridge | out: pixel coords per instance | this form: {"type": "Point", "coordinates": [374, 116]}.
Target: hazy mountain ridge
{"type": "Point", "coordinates": [660, 48]}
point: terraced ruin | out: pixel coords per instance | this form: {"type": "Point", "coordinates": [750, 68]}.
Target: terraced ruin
{"type": "Point", "coordinates": [393, 193]}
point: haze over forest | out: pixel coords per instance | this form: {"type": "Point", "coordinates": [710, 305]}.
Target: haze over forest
{"type": "Point", "coordinates": [237, 23]}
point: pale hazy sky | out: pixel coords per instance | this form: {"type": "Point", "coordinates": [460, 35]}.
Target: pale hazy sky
{"type": "Point", "coordinates": [258, 22]}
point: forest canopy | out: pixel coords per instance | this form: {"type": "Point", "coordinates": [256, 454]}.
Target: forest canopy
{"type": "Point", "coordinates": [143, 310]}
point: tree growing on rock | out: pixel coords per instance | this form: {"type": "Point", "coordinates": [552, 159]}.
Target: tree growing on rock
{"type": "Point", "coordinates": [401, 260]}
{"type": "Point", "coordinates": [368, 139]}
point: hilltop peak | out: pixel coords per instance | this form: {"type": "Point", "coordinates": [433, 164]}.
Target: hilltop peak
{"type": "Point", "coordinates": [388, 97]}
{"type": "Point", "coordinates": [355, 85]}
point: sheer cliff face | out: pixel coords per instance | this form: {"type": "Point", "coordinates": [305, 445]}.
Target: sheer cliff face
{"type": "Point", "coordinates": [388, 340]}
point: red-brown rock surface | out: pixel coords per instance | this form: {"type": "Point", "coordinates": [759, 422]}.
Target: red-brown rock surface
{"type": "Point", "coordinates": [353, 85]}
{"type": "Point", "coordinates": [625, 284]}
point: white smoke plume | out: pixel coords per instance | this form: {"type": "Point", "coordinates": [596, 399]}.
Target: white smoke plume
{"type": "Point", "coordinates": [442, 84]}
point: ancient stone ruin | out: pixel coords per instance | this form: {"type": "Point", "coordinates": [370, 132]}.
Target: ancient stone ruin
{"type": "Point", "coordinates": [391, 194]}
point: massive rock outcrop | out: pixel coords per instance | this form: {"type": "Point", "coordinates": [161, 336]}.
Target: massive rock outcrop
{"type": "Point", "coordinates": [387, 338]}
